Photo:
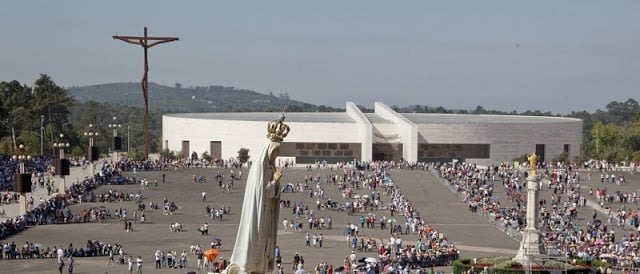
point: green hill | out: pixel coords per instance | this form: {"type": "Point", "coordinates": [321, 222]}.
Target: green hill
{"type": "Point", "coordinates": [193, 99]}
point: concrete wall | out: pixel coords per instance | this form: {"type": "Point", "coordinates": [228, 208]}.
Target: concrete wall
{"type": "Point", "coordinates": [364, 129]}
{"type": "Point", "coordinates": [508, 141]}
{"type": "Point", "coordinates": [246, 134]}
{"type": "Point", "coordinates": [407, 130]}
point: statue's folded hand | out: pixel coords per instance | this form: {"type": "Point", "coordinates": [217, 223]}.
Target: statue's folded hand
{"type": "Point", "coordinates": [277, 175]}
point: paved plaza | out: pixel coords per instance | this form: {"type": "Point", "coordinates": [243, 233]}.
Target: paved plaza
{"type": "Point", "coordinates": [443, 209]}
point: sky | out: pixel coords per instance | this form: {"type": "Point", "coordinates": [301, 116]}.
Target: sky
{"type": "Point", "coordinates": [557, 56]}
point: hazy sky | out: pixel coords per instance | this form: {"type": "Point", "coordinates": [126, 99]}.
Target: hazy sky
{"type": "Point", "coordinates": [554, 56]}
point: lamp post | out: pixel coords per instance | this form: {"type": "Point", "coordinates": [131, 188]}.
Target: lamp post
{"type": "Point", "coordinates": [116, 143]}
{"type": "Point", "coordinates": [62, 165]}
{"type": "Point", "coordinates": [41, 135]}
{"type": "Point", "coordinates": [92, 151]}
{"type": "Point", "coordinates": [22, 180]}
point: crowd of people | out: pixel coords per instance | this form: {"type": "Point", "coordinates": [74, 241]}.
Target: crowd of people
{"type": "Point", "coordinates": [32, 250]}
{"type": "Point", "coordinates": [54, 210]}
{"type": "Point", "coordinates": [38, 166]}
{"type": "Point", "coordinates": [564, 234]}
{"type": "Point", "coordinates": [383, 207]}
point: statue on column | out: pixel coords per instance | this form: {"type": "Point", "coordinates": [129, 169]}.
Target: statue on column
{"type": "Point", "coordinates": [254, 250]}
{"type": "Point", "coordinates": [533, 164]}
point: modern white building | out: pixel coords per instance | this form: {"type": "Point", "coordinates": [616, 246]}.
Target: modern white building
{"type": "Point", "coordinates": [382, 135]}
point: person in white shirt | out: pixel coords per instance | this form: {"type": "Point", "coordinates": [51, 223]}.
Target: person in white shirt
{"type": "Point", "coordinates": [300, 270]}
{"type": "Point", "coordinates": [139, 265]}
{"type": "Point", "coordinates": [130, 264]}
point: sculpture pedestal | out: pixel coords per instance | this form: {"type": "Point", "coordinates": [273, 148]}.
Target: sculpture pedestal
{"type": "Point", "coordinates": [529, 247]}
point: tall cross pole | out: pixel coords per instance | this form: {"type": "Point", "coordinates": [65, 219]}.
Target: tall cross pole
{"type": "Point", "coordinates": [145, 42]}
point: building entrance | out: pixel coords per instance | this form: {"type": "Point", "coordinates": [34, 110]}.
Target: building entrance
{"type": "Point", "coordinates": [387, 152]}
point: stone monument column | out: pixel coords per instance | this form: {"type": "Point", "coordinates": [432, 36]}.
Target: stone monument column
{"type": "Point", "coordinates": [530, 246]}
{"type": "Point", "coordinates": [63, 186]}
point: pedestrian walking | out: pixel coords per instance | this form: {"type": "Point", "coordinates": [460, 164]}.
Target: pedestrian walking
{"type": "Point", "coordinates": [70, 263]}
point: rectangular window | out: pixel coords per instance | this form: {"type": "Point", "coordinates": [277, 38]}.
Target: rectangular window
{"type": "Point", "coordinates": [215, 150]}
{"type": "Point", "coordinates": [344, 146]}
{"type": "Point", "coordinates": [333, 146]}
{"type": "Point", "coordinates": [322, 146]}
{"type": "Point", "coordinates": [447, 151]}
{"type": "Point", "coordinates": [540, 148]}
{"type": "Point", "coordinates": [566, 148]}
{"type": "Point", "coordinates": [185, 149]}
{"type": "Point", "coordinates": [299, 145]}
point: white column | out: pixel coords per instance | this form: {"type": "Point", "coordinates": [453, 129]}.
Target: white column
{"type": "Point", "coordinates": [530, 244]}
{"type": "Point", "coordinates": [23, 204]}
{"type": "Point", "coordinates": [63, 186]}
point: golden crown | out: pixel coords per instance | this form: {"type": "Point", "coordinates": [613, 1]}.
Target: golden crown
{"type": "Point", "coordinates": [277, 130]}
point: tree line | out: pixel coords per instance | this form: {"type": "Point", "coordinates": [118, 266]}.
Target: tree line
{"type": "Point", "coordinates": [29, 114]}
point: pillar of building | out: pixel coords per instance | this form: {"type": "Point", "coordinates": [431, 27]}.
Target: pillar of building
{"type": "Point", "coordinates": [407, 130]}
{"type": "Point", "coordinates": [364, 129]}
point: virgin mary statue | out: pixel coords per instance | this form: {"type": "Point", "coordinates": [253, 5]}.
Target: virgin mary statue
{"type": "Point", "coordinates": [254, 250]}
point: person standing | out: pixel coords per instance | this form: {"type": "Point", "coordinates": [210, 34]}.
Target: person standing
{"type": "Point", "coordinates": [130, 264]}
{"type": "Point", "coordinates": [158, 257]}
{"type": "Point", "coordinates": [60, 264]}
{"type": "Point", "coordinates": [200, 259]}
{"type": "Point", "coordinates": [285, 223]}
{"type": "Point", "coordinates": [111, 260]}
{"type": "Point", "coordinates": [183, 259]}
{"type": "Point", "coordinates": [139, 265]}
{"type": "Point", "coordinates": [314, 240]}
{"type": "Point", "coordinates": [70, 262]}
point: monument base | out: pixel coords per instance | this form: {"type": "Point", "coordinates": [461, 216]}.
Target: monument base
{"type": "Point", "coordinates": [530, 247]}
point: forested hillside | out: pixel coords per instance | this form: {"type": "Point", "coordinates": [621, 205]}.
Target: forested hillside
{"type": "Point", "coordinates": [166, 99]}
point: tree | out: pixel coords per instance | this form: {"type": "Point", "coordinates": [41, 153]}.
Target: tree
{"type": "Point", "coordinates": [479, 110]}
{"type": "Point", "coordinates": [561, 158]}
{"type": "Point", "coordinates": [522, 159]}
{"type": "Point", "coordinates": [168, 154]}
{"type": "Point", "coordinates": [53, 103]}
{"type": "Point", "coordinates": [243, 155]}
{"type": "Point", "coordinates": [15, 110]}
{"type": "Point", "coordinates": [205, 156]}
{"type": "Point", "coordinates": [194, 156]}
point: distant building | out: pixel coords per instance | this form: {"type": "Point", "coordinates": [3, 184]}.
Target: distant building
{"type": "Point", "coordinates": [382, 135]}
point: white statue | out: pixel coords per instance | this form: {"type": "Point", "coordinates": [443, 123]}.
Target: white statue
{"type": "Point", "coordinates": [254, 250]}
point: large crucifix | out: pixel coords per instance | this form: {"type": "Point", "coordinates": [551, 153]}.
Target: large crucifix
{"type": "Point", "coordinates": [146, 42]}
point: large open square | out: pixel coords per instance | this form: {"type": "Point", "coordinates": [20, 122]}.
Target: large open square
{"type": "Point", "coordinates": [440, 207]}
